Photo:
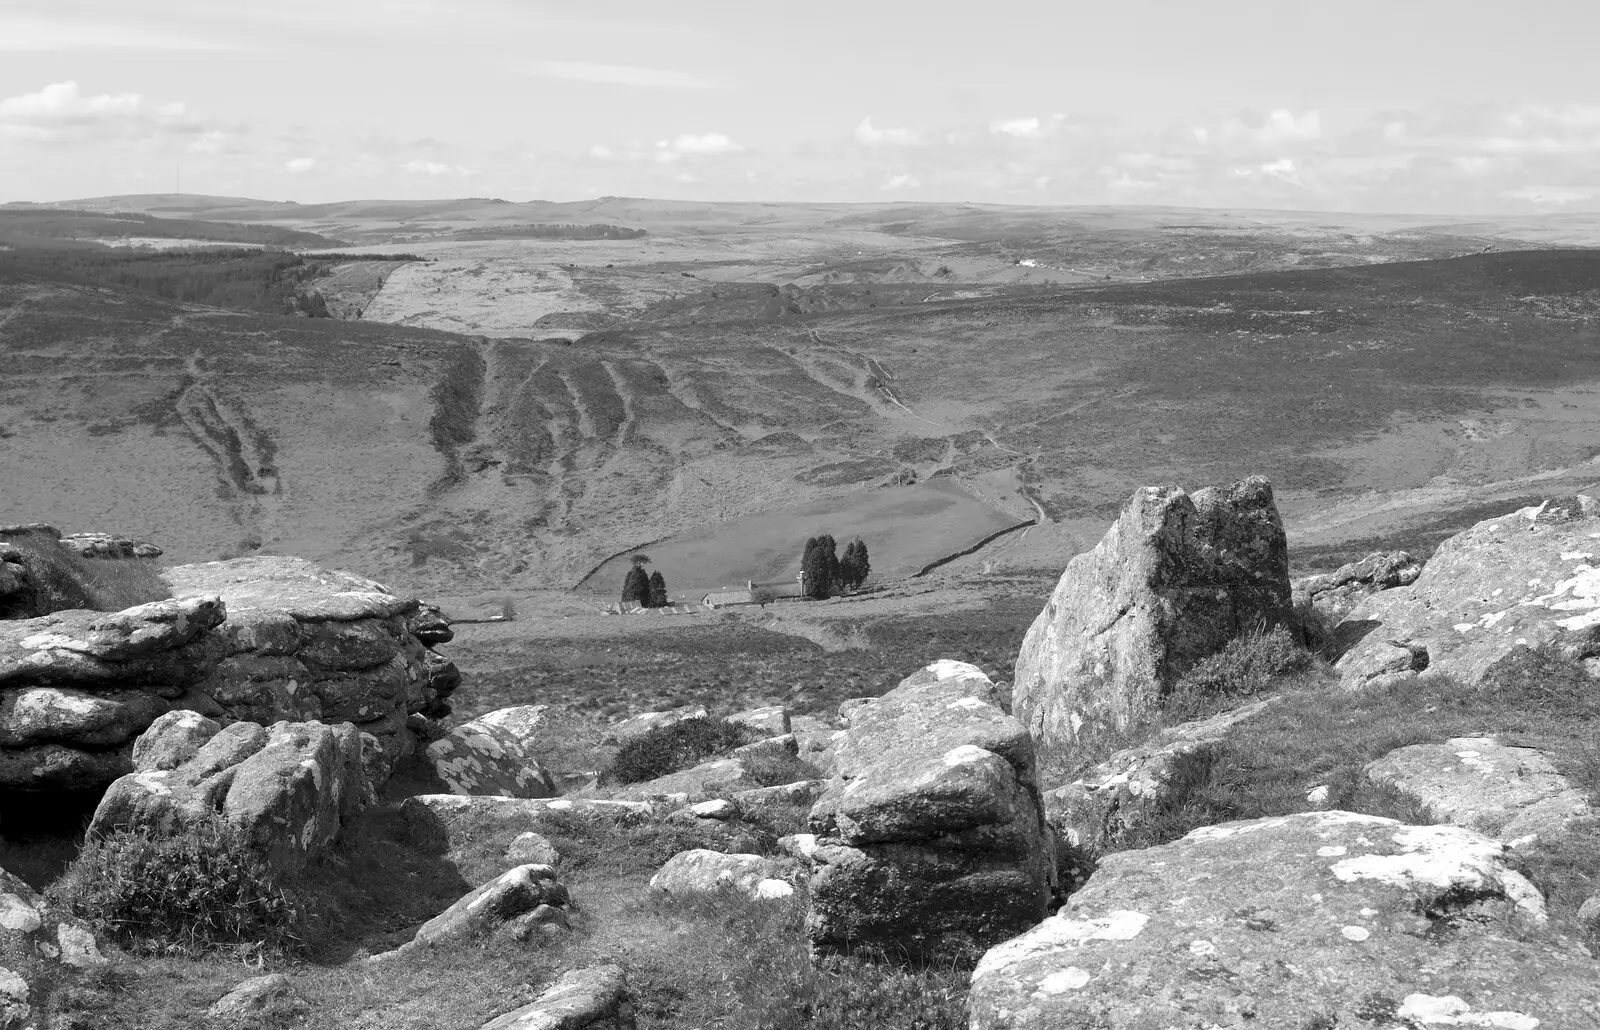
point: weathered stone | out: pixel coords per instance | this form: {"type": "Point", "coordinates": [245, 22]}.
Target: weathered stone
{"type": "Point", "coordinates": [1175, 578]}
{"type": "Point", "coordinates": [1326, 919]}
{"type": "Point", "coordinates": [270, 997]}
{"type": "Point", "coordinates": [720, 809]}
{"type": "Point", "coordinates": [40, 947]}
{"type": "Point", "coordinates": [632, 727]}
{"type": "Point", "coordinates": [771, 721]}
{"type": "Point", "coordinates": [1525, 579]}
{"type": "Point", "coordinates": [430, 626]}
{"type": "Point", "coordinates": [705, 874]}
{"type": "Point", "coordinates": [173, 739]}
{"type": "Point", "coordinates": [931, 834]}
{"type": "Point", "coordinates": [498, 903]}
{"type": "Point", "coordinates": [104, 545]}
{"type": "Point", "coordinates": [802, 792]}
{"type": "Point", "coordinates": [263, 639]}
{"type": "Point", "coordinates": [288, 788]}
{"type": "Point", "coordinates": [584, 999]}
{"type": "Point", "coordinates": [533, 849]}
{"type": "Point", "coordinates": [1126, 790]}
{"type": "Point", "coordinates": [715, 776]}
{"type": "Point", "coordinates": [483, 757]}
{"type": "Point", "coordinates": [1513, 794]}
{"type": "Point", "coordinates": [1333, 595]}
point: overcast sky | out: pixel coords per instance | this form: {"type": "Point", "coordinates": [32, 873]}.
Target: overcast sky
{"type": "Point", "coordinates": [1463, 106]}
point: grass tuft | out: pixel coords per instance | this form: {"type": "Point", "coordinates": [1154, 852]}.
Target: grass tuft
{"type": "Point", "coordinates": [1253, 664]}
{"type": "Point", "coordinates": [64, 580]}
{"type": "Point", "coordinates": [682, 745]}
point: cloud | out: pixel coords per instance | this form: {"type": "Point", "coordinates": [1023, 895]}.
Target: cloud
{"type": "Point", "coordinates": [436, 168]}
{"type": "Point", "coordinates": [1545, 196]}
{"type": "Point", "coordinates": [869, 135]}
{"type": "Point", "coordinates": [1022, 128]}
{"type": "Point", "coordinates": [901, 182]}
{"type": "Point", "coordinates": [20, 33]}
{"type": "Point", "coordinates": [709, 143]}
{"type": "Point", "coordinates": [622, 75]}
{"type": "Point", "coordinates": [300, 164]}
{"type": "Point", "coordinates": [60, 111]}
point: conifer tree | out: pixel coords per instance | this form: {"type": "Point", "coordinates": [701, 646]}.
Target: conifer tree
{"type": "Point", "coordinates": [818, 565]}
{"type": "Point", "coordinates": [636, 587]}
{"type": "Point", "coordinates": [658, 590]}
{"type": "Point", "coordinates": [863, 562]}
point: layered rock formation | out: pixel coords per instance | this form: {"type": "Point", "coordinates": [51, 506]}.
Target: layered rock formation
{"type": "Point", "coordinates": [931, 833]}
{"type": "Point", "coordinates": [1334, 595]}
{"type": "Point", "coordinates": [1175, 578]}
{"type": "Point", "coordinates": [1324, 919]}
{"type": "Point", "coordinates": [288, 788]}
{"type": "Point", "coordinates": [1524, 579]}
{"type": "Point", "coordinates": [254, 639]}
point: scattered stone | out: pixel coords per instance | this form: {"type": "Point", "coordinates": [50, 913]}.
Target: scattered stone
{"type": "Point", "coordinates": [1318, 795]}
{"type": "Point", "coordinates": [720, 809]}
{"type": "Point", "coordinates": [1122, 793]}
{"type": "Point", "coordinates": [931, 834]}
{"type": "Point", "coordinates": [262, 997]}
{"type": "Point", "coordinates": [1318, 919]}
{"type": "Point", "coordinates": [1172, 582]}
{"type": "Point", "coordinates": [1524, 579]}
{"type": "Point", "coordinates": [1513, 794]}
{"type": "Point", "coordinates": [701, 873]}
{"type": "Point", "coordinates": [771, 721]}
{"type": "Point", "coordinates": [716, 776]}
{"type": "Point", "coordinates": [595, 998]}
{"type": "Point", "coordinates": [803, 792]}
{"type": "Point", "coordinates": [492, 755]}
{"type": "Point", "coordinates": [1333, 595]}
{"type": "Point", "coordinates": [448, 823]}
{"type": "Point", "coordinates": [533, 849]}
{"type": "Point", "coordinates": [627, 729]}
{"type": "Point", "coordinates": [104, 545]}
{"type": "Point", "coordinates": [511, 900]}
{"type": "Point", "coordinates": [289, 788]}
{"type": "Point", "coordinates": [40, 947]}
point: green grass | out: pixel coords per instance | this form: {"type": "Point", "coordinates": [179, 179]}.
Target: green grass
{"type": "Point", "coordinates": [64, 580]}
{"type": "Point", "coordinates": [682, 745]}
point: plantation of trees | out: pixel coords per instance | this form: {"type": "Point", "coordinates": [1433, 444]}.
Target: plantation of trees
{"type": "Point", "coordinates": [826, 572]}
{"type": "Point", "coordinates": [648, 589]}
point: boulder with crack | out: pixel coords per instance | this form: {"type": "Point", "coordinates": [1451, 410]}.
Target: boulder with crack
{"type": "Point", "coordinates": [1325, 919]}
{"type": "Point", "coordinates": [253, 639]}
{"type": "Point", "coordinates": [1514, 794]}
{"type": "Point", "coordinates": [288, 788]}
{"type": "Point", "coordinates": [1172, 582]}
{"type": "Point", "coordinates": [931, 833]}
{"type": "Point", "coordinates": [41, 950]}
{"type": "Point", "coordinates": [493, 754]}
{"type": "Point", "coordinates": [1526, 579]}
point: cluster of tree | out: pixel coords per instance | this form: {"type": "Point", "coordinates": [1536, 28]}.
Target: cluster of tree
{"type": "Point", "coordinates": [269, 281]}
{"type": "Point", "coordinates": [825, 571]}
{"type": "Point", "coordinates": [649, 589]}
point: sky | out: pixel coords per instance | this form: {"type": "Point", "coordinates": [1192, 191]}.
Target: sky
{"type": "Point", "coordinates": [1413, 106]}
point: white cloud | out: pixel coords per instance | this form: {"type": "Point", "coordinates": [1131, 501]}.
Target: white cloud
{"type": "Point", "coordinates": [21, 33]}
{"type": "Point", "coordinates": [622, 75]}
{"type": "Point", "coordinates": [709, 143]}
{"type": "Point", "coordinates": [870, 135]}
{"type": "Point", "coordinates": [901, 182]}
{"type": "Point", "coordinates": [300, 164]}
{"type": "Point", "coordinates": [604, 153]}
{"type": "Point", "coordinates": [1557, 195]}
{"type": "Point", "coordinates": [1022, 128]}
{"type": "Point", "coordinates": [436, 168]}
{"type": "Point", "coordinates": [61, 111]}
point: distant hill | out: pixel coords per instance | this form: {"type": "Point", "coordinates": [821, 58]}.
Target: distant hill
{"type": "Point", "coordinates": [22, 224]}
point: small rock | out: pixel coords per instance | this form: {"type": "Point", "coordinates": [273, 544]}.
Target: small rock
{"type": "Point", "coordinates": [1318, 795]}
{"type": "Point", "coordinates": [583, 998]}
{"type": "Point", "coordinates": [1589, 912]}
{"type": "Point", "coordinates": [716, 808]}
{"type": "Point", "coordinates": [533, 848]}
{"type": "Point", "coordinates": [272, 995]}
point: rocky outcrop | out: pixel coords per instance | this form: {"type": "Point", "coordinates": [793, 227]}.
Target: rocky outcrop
{"type": "Point", "coordinates": [253, 639]}
{"type": "Point", "coordinates": [516, 903]}
{"type": "Point", "coordinates": [1123, 793]}
{"type": "Point", "coordinates": [40, 948]}
{"type": "Point", "coordinates": [493, 754]}
{"type": "Point", "coordinates": [1324, 919]}
{"type": "Point", "coordinates": [584, 999]}
{"type": "Point", "coordinates": [288, 788]}
{"type": "Point", "coordinates": [931, 833]}
{"type": "Point", "coordinates": [1333, 595]}
{"type": "Point", "coordinates": [1175, 578]}
{"type": "Point", "coordinates": [627, 729]}
{"type": "Point", "coordinates": [706, 874]}
{"type": "Point", "coordinates": [104, 545]}
{"type": "Point", "coordinates": [1513, 794]}
{"type": "Point", "coordinates": [1525, 579]}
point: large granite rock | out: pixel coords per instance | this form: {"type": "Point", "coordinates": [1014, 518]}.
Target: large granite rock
{"type": "Point", "coordinates": [1513, 794]}
{"type": "Point", "coordinates": [1333, 595]}
{"type": "Point", "coordinates": [931, 833]}
{"type": "Point", "coordinates": [583, 999]}
{"type": "Point", "coordinates": [254, 639]}
{"type": "Point", "coordinates": [493, 754]}
{"type": "Point", "coordinates": [41, 948]}
{"type": "Point", "coordinates": [1528, 578]}
{"type": "Point", "coordinates": [1175, 578]}
{"type": "Point", "coordinates": [288, 788]}
{"type": "Point", "coordinates": [700, 873]}
{"type": "Point", "coordinates": [1324, 919]}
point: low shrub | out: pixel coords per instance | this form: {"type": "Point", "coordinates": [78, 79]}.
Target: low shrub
{"type": "Point", "coordinates": [1249, 665]}
{"type": "Point", "coordinates": [776, 767]}
{"type": "Point", "coordinates": [196, 889]}
{"type": "Point", "coordinates": [682, 745]}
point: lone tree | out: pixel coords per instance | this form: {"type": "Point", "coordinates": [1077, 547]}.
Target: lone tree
{"type": "Point", "coordinates": [636, 587]}
{"type": "Point", "coordinates": [820, 565]}
{"type": "Point", "coordinates": [854, 567]}
{"type": "Point", "coordinates": [658, 590]}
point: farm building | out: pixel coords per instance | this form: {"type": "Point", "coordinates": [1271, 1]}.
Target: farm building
{"type": "Point", "coordinates": [754, 593]}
